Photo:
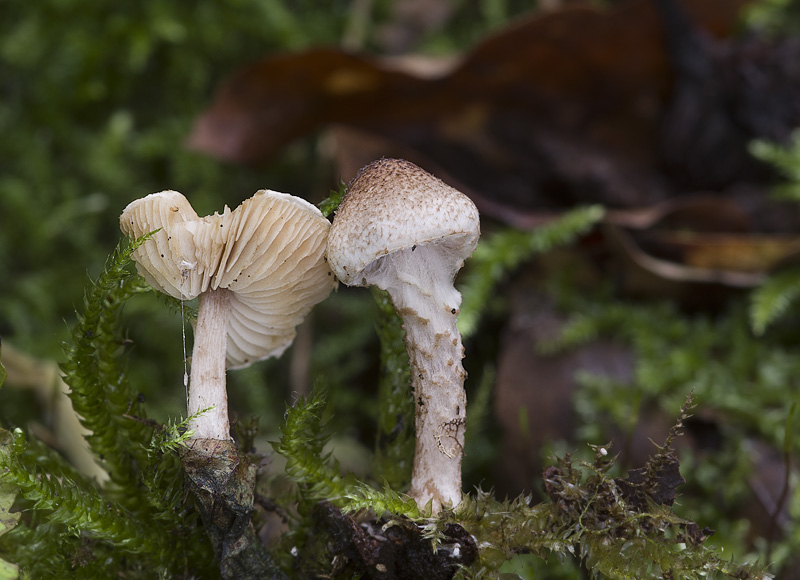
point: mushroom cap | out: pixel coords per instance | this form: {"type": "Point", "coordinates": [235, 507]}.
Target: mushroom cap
{"type": "Point", "coordinates": [269, 252]}
{"type": "Point", "coordinates": [393, 205]}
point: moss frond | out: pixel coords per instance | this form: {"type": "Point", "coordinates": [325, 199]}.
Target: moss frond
{"type": "Point", "coordinates": [174, 435]}
{"type": "Point", "coordinates": [786, 159]}
{"type": "Point", "coordinates": [137, 524]}
{"type": "Point", "coordinates": [596, 316]}
{"type": "Point", "coordinates": [743, 377]}
{"type": "Point", "coordinates": [78, 507]}
{"type": "Point", "coordinates": [73, 527]}
{"type": "Point", "coordinates": [94, 370]}
{"type": "Point", "coordinates": [8, 493]}
{"type": "Point", "coordinates": [329, 205]}
{"type": "Point", "coordinates": [35, 452]}
{"type": "Point", "coordinates": [773, 298]}
{"type": "Point", "coordinates": [394, 448]}
{"type": "Point", "coordinates": [597, 520]}
{"type": "Point", "coordinates": [178, 307]}
{"type": "Point", "coordinates": [302, 443]}
{"type": "Point", "coordinates": [496, 256]}
{"type": "Point", "coordinates": [623, 528]}
{"type": "Point", "coordinates": [362, 497]}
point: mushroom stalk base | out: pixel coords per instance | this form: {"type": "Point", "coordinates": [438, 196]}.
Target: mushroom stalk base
{"type": "Point", "coordinates": [207, 379]}
{"type": "Point", "coordinates": [428, 303]}
{"type": "Point", "coordinates": [222, 482]}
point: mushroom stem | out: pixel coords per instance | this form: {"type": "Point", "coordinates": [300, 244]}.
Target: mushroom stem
{"type": "Point", "coordinates": [207, 380]}
{"type": "Point", "coordinates": [428, 303]}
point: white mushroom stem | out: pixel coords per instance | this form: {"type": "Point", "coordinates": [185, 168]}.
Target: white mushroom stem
{"type": "Point", "coordinates": [207, 379]}
{"type": "Point", "coordinates": [420, 283]}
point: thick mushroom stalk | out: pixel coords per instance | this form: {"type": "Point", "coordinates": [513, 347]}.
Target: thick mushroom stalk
{"type": "Point", "coordinates": [422, 292]}
{"type": "Point", "coordinates": [406, 232]}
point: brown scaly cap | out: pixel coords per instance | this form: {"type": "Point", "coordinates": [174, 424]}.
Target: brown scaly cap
{"type": "Point", "coordinates": [404, 206]}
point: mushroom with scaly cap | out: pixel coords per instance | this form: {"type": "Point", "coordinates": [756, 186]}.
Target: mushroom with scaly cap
{"type": "Point", "coordinates": [403, 230]}
{"type": "Point", "coordinates": [256, 271]}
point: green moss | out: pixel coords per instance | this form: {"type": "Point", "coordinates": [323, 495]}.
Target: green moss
{"type": "Point", "coordinates": [100, 391]}
{"type": "Point", "coordinates": [394, 448]}
{"type": "Point", "coordinates": [621, 528]}
{"type": "Point", "coordinates": [329, 205]}
{"type": "Point", "coordinates": [501, 253]}
{"type": "Point", "coordinates": [138, 521]}
{"type": "Point", "coordinates": [774, 298]}
{"type": "Point", "coordinates": [302, 443]}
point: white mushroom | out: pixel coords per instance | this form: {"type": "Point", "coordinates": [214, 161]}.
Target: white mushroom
{"type": "Point", "coordinates": [257, 271]}
{"type": "Point", "coordinates": [405, 231]}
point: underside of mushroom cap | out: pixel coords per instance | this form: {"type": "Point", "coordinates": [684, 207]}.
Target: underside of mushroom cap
{"type": "Point", "coordinates": [268, 252]}
{"type": "Point", "coordinates": [167, 260]}
{"type": "Point", "coordinates": [404, 206]}
{"type": "Point", "coordinates": [274, 265]}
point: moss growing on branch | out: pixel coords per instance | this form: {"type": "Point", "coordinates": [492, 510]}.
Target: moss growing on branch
{"type": "Point", "coordinates": [620, 528]}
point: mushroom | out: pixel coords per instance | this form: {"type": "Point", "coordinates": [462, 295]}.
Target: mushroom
{"type": "Point", "coordinates": [256, 271]}
{"type": "Point", "coordinates": [403, 230]}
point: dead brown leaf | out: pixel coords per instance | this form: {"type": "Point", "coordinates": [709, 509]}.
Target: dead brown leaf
{"type": "Point", "coordinates": [558, 108]}
{"type": "Point", "coordinates": [701, 239]}
{"type": "Point", "coordinates": [567, 106]}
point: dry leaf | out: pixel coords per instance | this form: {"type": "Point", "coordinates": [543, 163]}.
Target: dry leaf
{"type": "Point", "coordinates": [560, 108]}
